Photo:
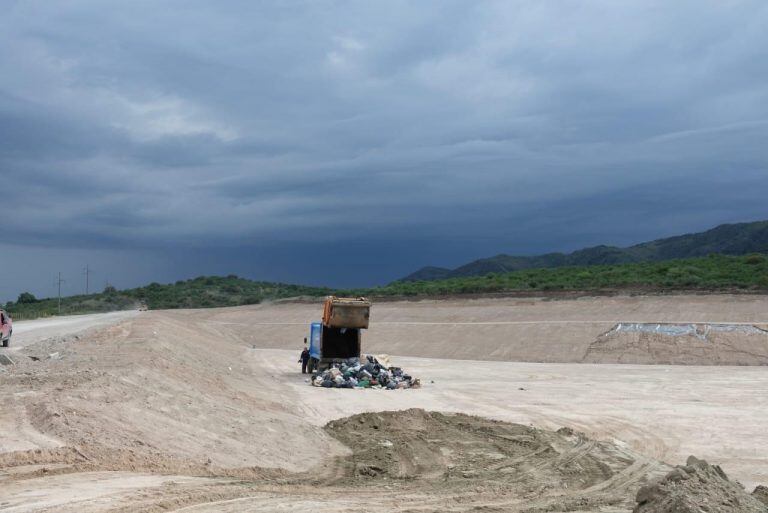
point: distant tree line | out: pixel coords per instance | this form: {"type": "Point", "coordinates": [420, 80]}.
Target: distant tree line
{"type": "Point", "coordinates": [711, 273]}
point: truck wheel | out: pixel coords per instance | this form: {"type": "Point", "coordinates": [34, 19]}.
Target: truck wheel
{"type": "Point", "coordinates": [5, 342]}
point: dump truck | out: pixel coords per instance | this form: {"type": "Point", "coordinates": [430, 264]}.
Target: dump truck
{"type": "Point", "coordinates": [339, 336]}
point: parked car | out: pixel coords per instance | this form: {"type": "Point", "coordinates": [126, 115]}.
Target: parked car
{"type": "Point", "coordinates": [6, 328]}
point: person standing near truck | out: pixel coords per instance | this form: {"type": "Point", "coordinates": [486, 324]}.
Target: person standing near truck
{"type": "Point", "coordinates": [304, 358]}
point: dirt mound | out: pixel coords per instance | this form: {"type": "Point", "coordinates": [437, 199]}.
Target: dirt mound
{"type": "Point", "coordinates": [452, 452]}
{"type": "Point", "coordinates": [761, 494]}
{"type": "Point", "coordinates": [152, 395]}
{"type": "Point", "coordinates": [695, 487]}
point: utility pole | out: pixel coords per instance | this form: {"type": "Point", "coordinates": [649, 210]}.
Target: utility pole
{"type": "Point", "coordinates": [59, 281]}
{"type": "Point", "coordinates": [87, 272]}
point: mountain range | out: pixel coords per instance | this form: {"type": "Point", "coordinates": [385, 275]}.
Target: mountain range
{"type": "Point", "coordinates": [727, 239]}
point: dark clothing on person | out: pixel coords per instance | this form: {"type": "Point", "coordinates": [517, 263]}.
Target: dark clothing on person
{"type": "Point", "coordinates": [304, 359]}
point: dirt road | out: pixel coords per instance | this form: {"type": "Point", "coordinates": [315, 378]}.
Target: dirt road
{"type": "Point", "coordinates": [29, 332]}
{"type": "Point", "coordinates": [205, 411]}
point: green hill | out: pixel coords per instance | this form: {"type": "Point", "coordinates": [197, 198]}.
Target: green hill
{"type": "Point", "coordinates": [734, 260]}
{"type": "Point", "coordinates": [727, 239]}
{"type": "Point", "coordinates": [710, 273]}
{"type": "Point", "coordinates": [202, 292]}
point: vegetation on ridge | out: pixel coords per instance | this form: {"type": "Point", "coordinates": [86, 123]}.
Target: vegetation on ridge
{"type": "Point", "coordinates": [726, 239]}
{"type": "Point", "coordinates": [711, 273]}
{"type": "Point", "coordinates": [201, 292]}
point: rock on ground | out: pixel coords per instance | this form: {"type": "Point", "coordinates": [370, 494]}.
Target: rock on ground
{"type": "Point", "coordinates": [696, 487]}
{"type": "Point", "coordinates": [761, 494]}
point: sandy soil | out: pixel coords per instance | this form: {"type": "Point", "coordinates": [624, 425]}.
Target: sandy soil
{"type": "Point", "coordinates": [215, 396]}
{"type": "Point", "coordinates": [530, 330]}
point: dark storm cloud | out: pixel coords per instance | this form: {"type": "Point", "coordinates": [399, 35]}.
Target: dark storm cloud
{"type": "Point", "coordinates": [447, 130]}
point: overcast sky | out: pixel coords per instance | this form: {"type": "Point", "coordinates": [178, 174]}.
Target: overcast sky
{"type": "Point", "coordinates": [350, 143]}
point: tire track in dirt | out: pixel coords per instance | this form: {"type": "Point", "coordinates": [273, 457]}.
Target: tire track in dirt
{"type": "Point", "coordinates": [169, 393]}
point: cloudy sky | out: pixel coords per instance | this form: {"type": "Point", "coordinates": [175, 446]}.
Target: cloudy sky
{"type": "Point", "coordinates": [350, 143]}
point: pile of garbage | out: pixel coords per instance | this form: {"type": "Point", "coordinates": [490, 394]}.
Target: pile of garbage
{"type": "Point", "coordinates": [369, 372]}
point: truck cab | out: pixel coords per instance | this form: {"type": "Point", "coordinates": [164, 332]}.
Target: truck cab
{"type": "Point", "coordinates": [6, 328]}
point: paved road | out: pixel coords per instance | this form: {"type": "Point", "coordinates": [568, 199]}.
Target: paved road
{"type": "Point", "coordinates": [29, 332]}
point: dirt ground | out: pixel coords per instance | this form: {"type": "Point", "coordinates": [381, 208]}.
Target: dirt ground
{"type": "Point", "coordinates": [204, 410]}
{"type": "Point", "coordinates": [537, 330]}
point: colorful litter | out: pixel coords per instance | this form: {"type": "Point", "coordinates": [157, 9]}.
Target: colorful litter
{"type": "Point", "coordinates": [368, 372]}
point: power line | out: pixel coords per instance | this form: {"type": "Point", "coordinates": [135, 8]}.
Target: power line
{"type": "Point", "coordinates": [87, 272]}
{"type": "Point", "coordinates": [59, 281]}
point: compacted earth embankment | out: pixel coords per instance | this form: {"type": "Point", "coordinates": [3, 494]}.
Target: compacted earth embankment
{"type": "Point", "coordinates": [188, 411]}
{"type": "Point", "coordinates": [718, 329]}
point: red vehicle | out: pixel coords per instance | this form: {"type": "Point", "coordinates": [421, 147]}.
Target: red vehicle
{"type": "Point", "coordinates": [6, 328]}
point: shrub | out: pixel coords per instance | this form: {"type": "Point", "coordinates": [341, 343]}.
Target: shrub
{"type": "Point", "coordinates": [26, 298]}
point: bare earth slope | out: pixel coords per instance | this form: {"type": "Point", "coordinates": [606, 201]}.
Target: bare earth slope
{"type": "Point", "coordinates": [205, 411]}
{"type": "Point", "coordinates": [534, 330]}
